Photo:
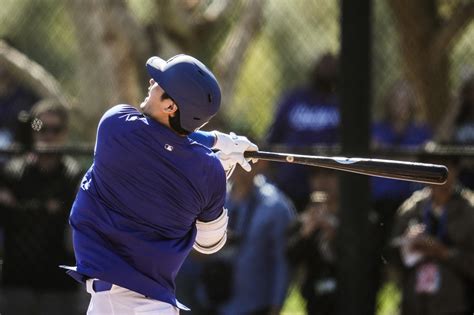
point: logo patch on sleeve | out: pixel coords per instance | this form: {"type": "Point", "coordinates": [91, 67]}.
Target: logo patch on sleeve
{"type": "Point", "coordinates": [134, 117]}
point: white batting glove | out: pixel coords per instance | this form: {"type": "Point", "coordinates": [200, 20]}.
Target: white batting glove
{"type": "Point", "coordinates": [231, 151]}
{"type": "Point", "coordinates": [232, 143]}
{"type": "Point", "coordinates": [229, 161]}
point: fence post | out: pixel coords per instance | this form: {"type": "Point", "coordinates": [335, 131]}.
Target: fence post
{"type": "Point", "coordinates": [355, 274]}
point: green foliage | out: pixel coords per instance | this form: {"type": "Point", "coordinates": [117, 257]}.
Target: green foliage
{"type": "Point", "coordinates": [143, 10]}
{"type": "Point", "coordinates": [387, 65]}
{"type": "Point", "coordinates": [294, 303]}
{"type": "Point", "coordinates": [256, 90]}
{"type": "Point", "coordinates": [301, 32]}
{"type": "Point", "coordinates": [293, 35]}
{"type": "Point", "coordinates": [42, 31]}
{"type": "Point", "coordinates": [388, 299]}
{"type": "Point", "coordinates": [461, 59]}
{"type": "Point", "coordinates": [9, 15]}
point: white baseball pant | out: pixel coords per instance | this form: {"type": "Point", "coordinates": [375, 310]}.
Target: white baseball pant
{"type": "Point", "coordinates": [121, 301]}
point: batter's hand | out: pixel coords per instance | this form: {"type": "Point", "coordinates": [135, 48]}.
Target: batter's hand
{"type": "Point", "coordinates": [231, 151]}
{"type": "Point", "coordinates": [430, 246]}
{"type": "Point", "coordinates": [232, 143]}
{"type": "Point", "coordinates": [229, 161]}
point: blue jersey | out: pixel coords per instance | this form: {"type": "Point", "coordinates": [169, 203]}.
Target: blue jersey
{"type": "Point", "coordinates": [134, 217]}
{"type": "Point", "coordinates": [304, 118]}
{"type": "Point", "coordinates": [383, 133]}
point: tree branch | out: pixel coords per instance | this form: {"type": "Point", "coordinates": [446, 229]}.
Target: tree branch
{"type": "Point", "coordinates": [32, 74]}
{"type": "Point", "coordinates": [130, 27]}
{"type": "Point", "coordinates": [204, 13]}
{"type": "Point", "coordinates": [451, 28]}
{"type": "Point", "coordinates": [236, 44]}
{"type": "Point", "coordinates": [185, 28]}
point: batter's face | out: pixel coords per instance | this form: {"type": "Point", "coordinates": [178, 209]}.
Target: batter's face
{"type": "Point", "coordinates": [156, 107]}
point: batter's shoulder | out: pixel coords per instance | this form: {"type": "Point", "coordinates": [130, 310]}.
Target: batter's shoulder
{"type": "Point", "coordinates": [205, 158]}
{"type": "Point", "coordinates": [214, 162]}
{"type": "Point", "coordinates": [120, 110]}
{"type": "Point", "coordinates": [121, 119]}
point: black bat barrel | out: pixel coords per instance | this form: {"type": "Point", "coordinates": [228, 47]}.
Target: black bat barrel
{"type": "Point", "coordinates": [394, 169]}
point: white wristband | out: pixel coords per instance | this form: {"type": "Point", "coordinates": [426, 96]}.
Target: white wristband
{"type": "Point", "coordinates": [211, 236]}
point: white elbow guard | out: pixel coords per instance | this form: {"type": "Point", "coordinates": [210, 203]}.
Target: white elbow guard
{"type": "Point", "coordinates": [211, 236]}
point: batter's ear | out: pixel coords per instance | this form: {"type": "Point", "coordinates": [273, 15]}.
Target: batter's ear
{"type": "Point", "coordinates": [171, 109]}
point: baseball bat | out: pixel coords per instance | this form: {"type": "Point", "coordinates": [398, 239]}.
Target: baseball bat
{"type": "Point", "coordinates": [394, 169]}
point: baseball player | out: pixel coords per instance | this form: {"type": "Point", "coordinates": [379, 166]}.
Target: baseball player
{"type": "Point", "coordinates": [155, 191]}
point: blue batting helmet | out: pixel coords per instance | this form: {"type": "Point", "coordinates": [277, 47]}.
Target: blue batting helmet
{"type": "Point", "coordinates": [191, 85]}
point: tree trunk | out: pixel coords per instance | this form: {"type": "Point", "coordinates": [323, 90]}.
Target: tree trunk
{"type": "Point", "coordinates": [426, 41]}
{"type": "Point", "coordinates": [108, 53]}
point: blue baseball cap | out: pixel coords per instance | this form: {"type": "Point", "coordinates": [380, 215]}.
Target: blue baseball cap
{"type": "Point", "coordinates": [191, 85]}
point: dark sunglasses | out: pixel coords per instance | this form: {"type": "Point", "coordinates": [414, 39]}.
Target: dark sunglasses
{"type": "Point", "coordinates": [51, 129]}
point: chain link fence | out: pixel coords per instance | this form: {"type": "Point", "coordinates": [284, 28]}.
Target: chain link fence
{"type": "Point", "coordinates": [290, 38]}
{"type": "Point", "coordinates": [274, 53]}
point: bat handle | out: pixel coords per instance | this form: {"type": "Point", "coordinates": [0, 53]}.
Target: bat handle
{"type": "Point", "coordinates": [251, 154]}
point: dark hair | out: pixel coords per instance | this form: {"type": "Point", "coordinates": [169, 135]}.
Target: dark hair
{"type": "Point", "coordinates": [175, 121]}
{"type": "Point", "coordinates": [166, 96]}
{"type": "Point", "coordinates": [324, 75]}
{"type": "Point", "coordinates": [175, 124]}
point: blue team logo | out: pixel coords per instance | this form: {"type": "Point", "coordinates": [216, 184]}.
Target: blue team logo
{"type": "Point", "coordinates": [134, 117]}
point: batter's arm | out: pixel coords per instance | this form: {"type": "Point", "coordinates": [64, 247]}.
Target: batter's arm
{"type": "Point", "coordinates": [205, 138]}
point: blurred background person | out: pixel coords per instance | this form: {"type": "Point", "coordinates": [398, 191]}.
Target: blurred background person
{"type": "Point", "coordinates": [311, 244]}
{"type": "Point", "coordinates": [463, 128]}
{"type": "Point", "coordinates": [15, 103]}
{"type": "Point", "coordinates": [464, 123]}
{"type": "Point", "coordinates": [259, 215]}
{"type": "Point", "coordinates": [398, 129]}
{"type": "Point", "coordinates": [306, 116]}
{"type": "Point", "coordinates": [36, 193]}
{"type": "Point", "coordinates": [434, 246]}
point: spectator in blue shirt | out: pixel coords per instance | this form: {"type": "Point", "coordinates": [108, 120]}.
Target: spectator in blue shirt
{"type": "Point", "coordinates": [306, 116]}
{"type": "Point", "coordinates": [398, 129]}
{"type": "Point", "coordinates": [259, 215]}
{"type": "Point", "coordinates": [400, 125]}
